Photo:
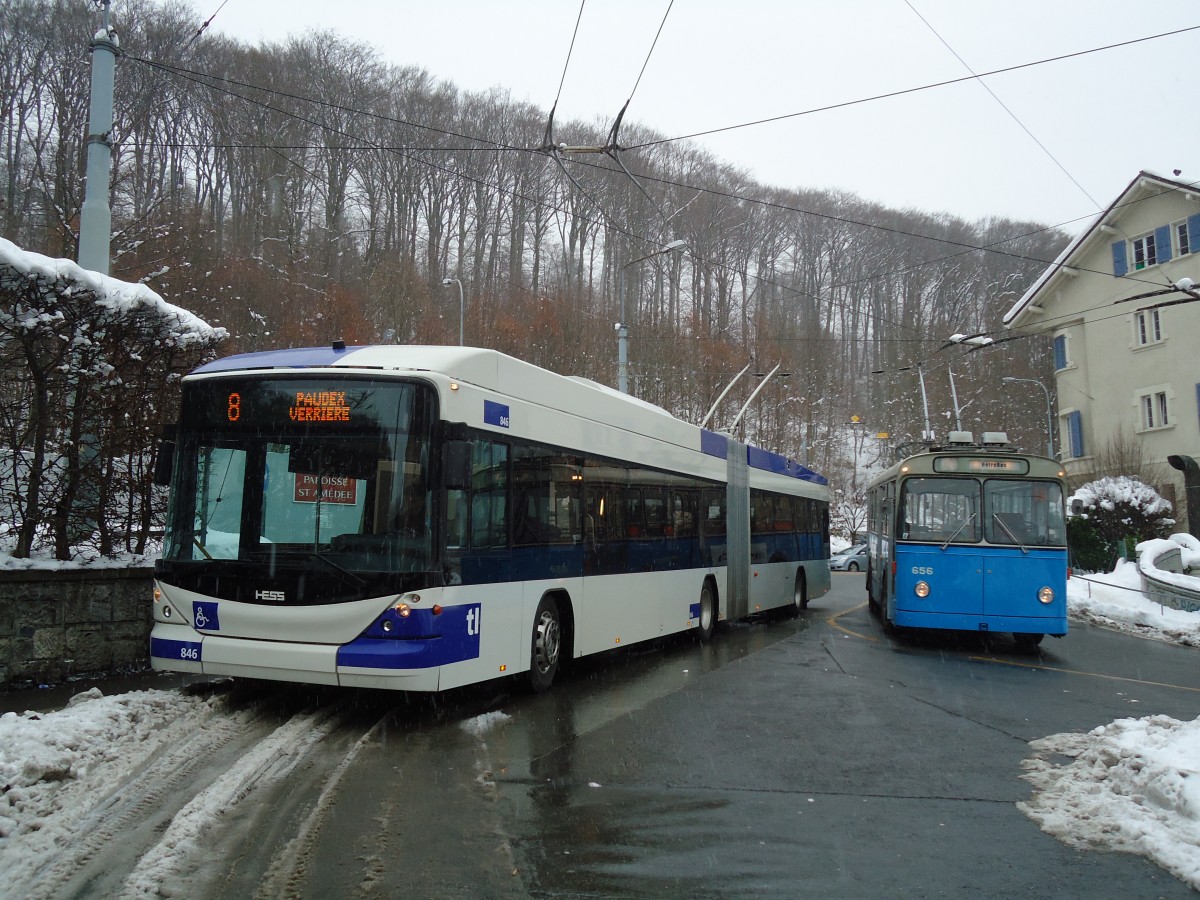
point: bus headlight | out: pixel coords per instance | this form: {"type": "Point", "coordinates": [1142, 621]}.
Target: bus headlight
{"type": "Point", "coordinates": [1046, 595]}
{"type": "Point", "coordinates": [921, 589]}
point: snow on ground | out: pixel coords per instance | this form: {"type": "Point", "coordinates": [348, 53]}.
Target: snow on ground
{"type": "Point", "coordinates": [1133, 785]}
{"type": "Point", "coordinates": [1115, 600]}
{"type": "Point", "coordinates": [56, 767]}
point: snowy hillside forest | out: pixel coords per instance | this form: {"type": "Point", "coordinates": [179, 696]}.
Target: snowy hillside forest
{"type": "Point", "coordinates": [301, 192]}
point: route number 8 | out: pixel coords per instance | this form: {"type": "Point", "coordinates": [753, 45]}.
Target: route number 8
{"type": "Point", "coordinates": [234, 410]}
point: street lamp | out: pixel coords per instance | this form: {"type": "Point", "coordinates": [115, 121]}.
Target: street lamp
{"type": "Point", "coordinates": [1008, 379]}
{"type": "Point", "coordinates": [460, 306]}
{"type": "Point", "coordinates": [622, 328]}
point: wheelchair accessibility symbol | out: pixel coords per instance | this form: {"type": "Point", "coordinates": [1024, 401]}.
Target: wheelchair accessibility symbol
{"type": "Point", "coordinates": [204, 616]}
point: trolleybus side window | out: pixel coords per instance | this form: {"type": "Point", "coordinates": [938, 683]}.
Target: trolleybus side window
{"type": "Point", "coordinates": [545, 496]}
{"type": "Point", "coordinates": [941, 509]}
{"type": "Point", "coordinates": [479, 516]}
{"type": "Point", "coordinates": [656, 512]}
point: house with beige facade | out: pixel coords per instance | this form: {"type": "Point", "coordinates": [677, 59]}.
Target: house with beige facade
{"type": "Point", "coordinates": [1122, 304]}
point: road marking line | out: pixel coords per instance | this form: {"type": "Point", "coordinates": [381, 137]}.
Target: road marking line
{"type": "Point", "coordinates": [1021, 665]}
{"type": "Point", "coordinates": [833, 620]}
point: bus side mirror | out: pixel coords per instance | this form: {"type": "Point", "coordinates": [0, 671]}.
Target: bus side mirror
{"type": "Point", "coordinates": [458, 465]}
{"type": "Point", "coordinates": [164, 462]}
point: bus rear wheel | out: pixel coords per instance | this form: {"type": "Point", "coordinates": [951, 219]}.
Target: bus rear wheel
{"type": "Point", "coordinates": [800, 598]}
{"type": "Point", "coordinates": [1027, 641]}
{"type": "Point", "coordinates": [708, 613]}
{"type": "Point", "coordinates": [545, 645]}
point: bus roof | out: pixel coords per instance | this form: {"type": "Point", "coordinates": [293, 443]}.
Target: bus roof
{"type": "Point", "coordinates": [506, 375]}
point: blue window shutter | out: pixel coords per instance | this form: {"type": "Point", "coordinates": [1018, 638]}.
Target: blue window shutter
{"type": "Point", "coordinates": [1060, 352]}
{"type": "Point", "coordinates": [1162, 244]}
{"type": "Point", "coordinates": [1075, 424]}
{"type": "Point", "coordinates": [1193, 226]}
{"type": "Point", "coordinates": [1120, 265]}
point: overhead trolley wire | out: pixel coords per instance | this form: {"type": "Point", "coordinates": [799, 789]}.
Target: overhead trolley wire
{"type": "Point", "coordinates": [198, 77]}
{"type": "Point", "coordinates": [1003, 105]}
{"type": "Point", "coordinates": [912, 90]}
{"type": "Point", "coordinates": [205, 79]}
{"type": "Point", "coordinates": [653, 44]}
{"type": "Point", "coordinates": [567, 62]}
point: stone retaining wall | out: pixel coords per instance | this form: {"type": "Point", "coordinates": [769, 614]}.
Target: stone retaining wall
{"type": "Point", "coordinates": [57, 623]}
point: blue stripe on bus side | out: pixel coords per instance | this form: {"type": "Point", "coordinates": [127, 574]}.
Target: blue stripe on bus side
{"type": "Point", "coordinates": [781, 465]}
{"type": "Point", "coordinates": [458, 627]}
{"type": "Point", "coordinates": [713, 444]}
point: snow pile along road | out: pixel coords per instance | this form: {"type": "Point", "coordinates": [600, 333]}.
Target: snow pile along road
{"type": "Point", "coordinates": [1133, 785]}
{"type": "Point", "coordinates": [1115, 600]}
{"type": "Point", "coordinates": [55, 767]}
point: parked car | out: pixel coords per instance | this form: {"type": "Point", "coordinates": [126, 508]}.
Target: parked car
{"type": "Point", "coordinates": [852, 559]}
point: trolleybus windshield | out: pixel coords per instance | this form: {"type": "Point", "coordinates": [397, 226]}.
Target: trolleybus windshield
{"type": "Point", "coordinates": [325, 475]}
{"type": "Point", "coordinates": [1017, 512]}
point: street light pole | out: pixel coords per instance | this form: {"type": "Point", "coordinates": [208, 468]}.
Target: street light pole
{"type": "Point", "coordinates": [622, 328]}
{"type": "Point", "coordinates": [1009, 379]}
{"type": "Point", "coordinates": [460, 306]}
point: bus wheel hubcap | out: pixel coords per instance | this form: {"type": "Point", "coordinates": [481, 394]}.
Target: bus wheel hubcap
{"type": "Point", "coordinates": [547, 642]}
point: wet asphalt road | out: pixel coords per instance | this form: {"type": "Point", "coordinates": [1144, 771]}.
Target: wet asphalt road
{"type": "Point", "coordinates": [821, 758]}
{"type": "Point", "coordinates": [806, 757]}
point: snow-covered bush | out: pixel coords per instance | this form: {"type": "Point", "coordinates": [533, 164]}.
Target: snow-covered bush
{"type": "Point", "coordinates": [1112, 511]}
{"type": "Point", "coordinates": [89, 368]}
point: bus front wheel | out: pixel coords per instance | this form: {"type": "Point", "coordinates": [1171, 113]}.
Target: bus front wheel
{"type": "Point", "coordinates": [872, 603]}
{"type": "Point", "coordinates": [708, 613]}
{"type": "Point", "coordinates": [545, 645]}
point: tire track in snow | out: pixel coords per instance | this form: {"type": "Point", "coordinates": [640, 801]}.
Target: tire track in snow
{"type": "Point", "coordinates": [180, 853]}
{"type": "Point", "coordinates": [82, 850]}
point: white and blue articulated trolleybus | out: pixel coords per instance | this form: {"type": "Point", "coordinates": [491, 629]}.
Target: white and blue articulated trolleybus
{"type": "Point", "coordinates": [420, 518]}
{"type": "Point", "coordinates": [970, 537]}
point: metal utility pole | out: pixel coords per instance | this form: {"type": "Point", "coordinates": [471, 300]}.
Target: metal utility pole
{"type": "Point", "coordinates": [622, 327]}
{"type": "Point", "coordinates": [461, 306]}
{"type": "Point", "coordinates": [95, 219]}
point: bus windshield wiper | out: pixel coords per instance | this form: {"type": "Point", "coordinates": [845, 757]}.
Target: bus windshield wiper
{"type": "Point", "coordinates": [1008, 531]}
{"type": "Point", "coordinates": [970, 519]}
{"type": "Point", "coordinates": [357, 580]}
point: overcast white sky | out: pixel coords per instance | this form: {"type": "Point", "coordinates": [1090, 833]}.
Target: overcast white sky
{"type": "Point", "coordinates": [1103, 116]}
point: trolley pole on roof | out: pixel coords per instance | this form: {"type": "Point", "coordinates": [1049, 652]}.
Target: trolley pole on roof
{"type": "Point", "coordinates": [95, 218]}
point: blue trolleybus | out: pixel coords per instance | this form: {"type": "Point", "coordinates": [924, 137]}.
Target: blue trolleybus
{"type": "Point", "coordinates": [970, 537]}
{"type": "Point", "coordinates": [420, 518]}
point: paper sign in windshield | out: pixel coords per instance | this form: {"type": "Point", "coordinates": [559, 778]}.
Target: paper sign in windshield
{"type": "Point", "coordinates": [328, 488]}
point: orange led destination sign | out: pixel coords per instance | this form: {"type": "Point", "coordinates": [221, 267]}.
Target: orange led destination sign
{"type": "Point", "coordinates": [320, 406]}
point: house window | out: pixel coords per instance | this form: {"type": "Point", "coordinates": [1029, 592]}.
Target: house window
{"type": "Point", "coordinates": [1147, 327]}
{"type": "Point", "coordinates": [1154, 410]}
{"type": "Point", "coordinates": [1182, 238]}
{"type": "Point", "coordinates": [1074, 441]}
{"type": "Point", "coordinates": [1061, 360]}
{"type": "Point", "coordinates": [1144, 251]}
